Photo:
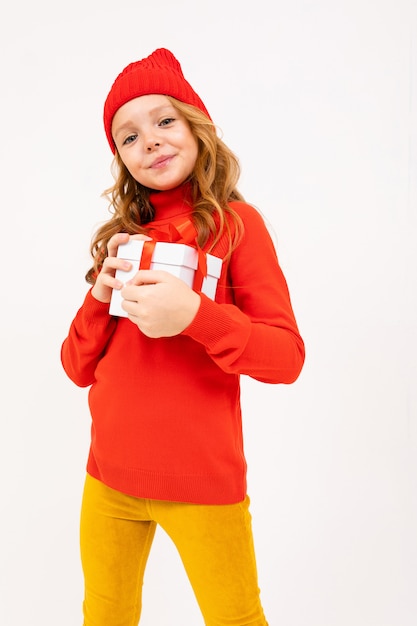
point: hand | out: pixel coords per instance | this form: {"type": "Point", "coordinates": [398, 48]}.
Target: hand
{"type": "Point", "coordinates": [106, 281]}
{"type": "Point", "coordinates": [161, 304]}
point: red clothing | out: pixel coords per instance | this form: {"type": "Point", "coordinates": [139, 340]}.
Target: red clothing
{"type": "Point", "coordinates": [166, 416]}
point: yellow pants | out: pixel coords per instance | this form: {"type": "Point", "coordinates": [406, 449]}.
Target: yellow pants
{"type": "Point", "coordinates": [215, 544]}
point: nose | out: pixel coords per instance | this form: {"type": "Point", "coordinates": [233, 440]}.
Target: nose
{"type": "Point", "coordinates": [151, 143]}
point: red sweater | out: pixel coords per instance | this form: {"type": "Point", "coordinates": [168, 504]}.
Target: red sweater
{"type": "Point", "coordinates": [166, 415]}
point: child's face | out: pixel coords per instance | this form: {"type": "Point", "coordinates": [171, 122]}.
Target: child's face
{"type": "Point", "coordinates": [154, 142]}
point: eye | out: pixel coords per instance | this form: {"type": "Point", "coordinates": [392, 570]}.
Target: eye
{"type": "Point", "coordinates": [129, 139]}
{"type": "Point", "coordinates": [166, 121]}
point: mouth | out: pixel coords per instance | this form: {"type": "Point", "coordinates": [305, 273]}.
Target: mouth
{"type": "Point", "coordinates": [161, 162]}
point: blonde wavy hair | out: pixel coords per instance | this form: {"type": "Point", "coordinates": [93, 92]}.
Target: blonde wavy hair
{"type": "Point", "coordinates": [213, 184]}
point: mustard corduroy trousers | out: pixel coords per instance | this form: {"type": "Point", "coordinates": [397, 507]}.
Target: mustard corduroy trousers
{"type": "Point", "coordinates": [215, 544]}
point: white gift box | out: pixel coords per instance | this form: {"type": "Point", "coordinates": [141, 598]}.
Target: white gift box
{"type": "Point", "coordinates": [179, 259]}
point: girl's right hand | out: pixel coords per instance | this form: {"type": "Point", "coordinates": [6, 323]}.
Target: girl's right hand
{"type": "Point", "coordinates": [106, 280]}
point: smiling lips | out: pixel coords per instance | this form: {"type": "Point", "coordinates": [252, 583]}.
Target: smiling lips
{"type": "Point", "coordinates": [161, 162]}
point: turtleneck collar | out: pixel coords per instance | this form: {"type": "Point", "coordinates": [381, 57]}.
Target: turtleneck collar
{"type": "Point", "coordinates": [172, 202]}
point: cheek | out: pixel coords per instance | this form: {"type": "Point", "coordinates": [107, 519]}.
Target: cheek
{"type": "Point", "coordinates": [193, 152]}
{"type": "Point", "coordinates": [134, 169]}
{"type": "Point", "coordinates": [132, 163]}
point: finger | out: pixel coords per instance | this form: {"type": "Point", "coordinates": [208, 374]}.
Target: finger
{"type": "Point", "coordinates": [151, 277]}
{"type": "Point", "coordinates": [110, 280]}
{"type": "Point", "coordinates": [141, 237]}
{"type": "Point", "coordinates": [115, 241]}
{"type": "Point", "coordinates": [113, 263]}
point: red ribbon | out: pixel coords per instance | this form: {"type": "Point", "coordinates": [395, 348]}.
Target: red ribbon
{"type": "Point", "coordinates": [180, 231]}
{"type": "Point", "coordinates": [147, 252]}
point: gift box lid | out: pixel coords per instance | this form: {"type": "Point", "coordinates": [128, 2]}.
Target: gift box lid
{"type": "Point", "coordinates": [170, 254]}
{"type": "Point", "coordinates": [175, 254]}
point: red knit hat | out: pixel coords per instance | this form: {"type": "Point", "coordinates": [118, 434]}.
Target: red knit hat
{"type": "Point", "coordinates": [159, 73]}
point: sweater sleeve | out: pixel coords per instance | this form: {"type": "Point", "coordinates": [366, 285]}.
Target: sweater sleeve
{"type": "Point", "coordinates": [87, 339]}
{"type": "Point", "coordinates": [257, 335]}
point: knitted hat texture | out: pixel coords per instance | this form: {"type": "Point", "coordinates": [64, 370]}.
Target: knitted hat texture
{"type": "Point", "coordinates": [159, 73]}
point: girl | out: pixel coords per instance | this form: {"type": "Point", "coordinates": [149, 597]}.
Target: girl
{"type": "Point", "coordinates": [166, 437]}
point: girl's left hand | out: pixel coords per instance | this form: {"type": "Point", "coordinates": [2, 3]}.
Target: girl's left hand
{"type": "Point", "coordinates": [161, 304]}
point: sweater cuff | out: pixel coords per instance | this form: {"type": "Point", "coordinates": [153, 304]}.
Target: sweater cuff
{"type": "Point", "coordinates": [94, 310]}
{"type": "Point", "coordinates": [215, 322]}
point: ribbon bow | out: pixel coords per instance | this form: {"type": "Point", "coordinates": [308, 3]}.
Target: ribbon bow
{"type": "Point", "coordinates": [179, 231]}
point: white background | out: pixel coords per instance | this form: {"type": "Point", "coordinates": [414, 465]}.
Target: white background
{"type": "Point", "coordinates": [318, 100]}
